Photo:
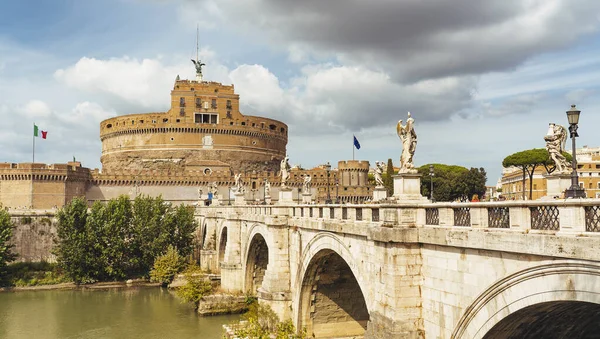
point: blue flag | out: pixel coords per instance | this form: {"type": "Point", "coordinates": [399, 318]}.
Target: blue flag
{"type": "Point", "coordinates": [356, 143]}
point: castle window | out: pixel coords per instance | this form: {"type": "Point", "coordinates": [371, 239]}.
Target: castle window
{"type": "Point", "coordinates": [231, 123]}
{"type": "Point", "coordinates": [132, 122]}
{"type": "Point", "coordinates": [141, 121]}
{"type": "Point", "coordinates": [254, 185]}
{"type": "Point", "coordinates": [177, 120]}
{"type": "Point", "coordinates": [229, 115]}
{"type": "Point", "coordinates": [165, 120]}
{"type": "Point", "coordinates": [216, 90]}
{"type": "Point", "coordinates": [191, 89]}
{"type": "Point", "coordinates": [590, 185]}
{"type": "Point", "coordinates": [282, 130]}
{"type": "Point", "coordinates": [207, 171]}
{"type": "Point", "coordinates": [205, 118]}
{"type": "Point", "coordinates": [272, 127]}
{"type": "Point", "coordinates": [109, 126]}
{"type": "Point", "coordinates": [253, 125]}
{"type": "Point", "coordinates": [198, 103]}
{"type": "Point", "coordinates": [182, 112]}
{"type": "Point", "coordinates": [213, 103]}
{"type": "Point", "coordinates": [172, 138]}
{"type": "Point", "coordinates": [182, 102]}
{"type": "Point", "coordinates": [153, 121]}
{"type": "Point", "coordinates": [243, 123]}
{"type": "Point", "coordinates": [229, 104]}
{"type": "Point", "coordinates": [262, 125]}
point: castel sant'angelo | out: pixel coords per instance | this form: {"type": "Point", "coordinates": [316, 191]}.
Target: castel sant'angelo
{"type": "Point", "coordinates": [196, 147]}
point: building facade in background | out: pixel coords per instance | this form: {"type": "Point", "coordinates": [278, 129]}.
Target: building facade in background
{"type": "Point", "coordinates": [588, 168]}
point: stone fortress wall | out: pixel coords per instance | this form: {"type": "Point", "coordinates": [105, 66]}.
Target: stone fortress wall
{"type": "Point", "coordinates": [41, 186]}
{"type": "Point", "coordinates": [203, 130]}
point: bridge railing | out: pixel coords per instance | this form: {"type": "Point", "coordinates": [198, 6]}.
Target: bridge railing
{"type": "Point", "coordinates": [575, 216]}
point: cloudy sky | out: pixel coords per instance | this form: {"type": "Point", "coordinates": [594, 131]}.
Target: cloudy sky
{"type": "Point", "coordinates": [481, 78]}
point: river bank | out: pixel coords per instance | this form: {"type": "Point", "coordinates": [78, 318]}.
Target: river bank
{"type": "Point", "coordinates": [73, 286]}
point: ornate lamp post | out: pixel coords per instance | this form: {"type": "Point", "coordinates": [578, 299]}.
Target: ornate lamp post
{"type": "Point", "coordinates": [431, 174]}
{"type": "Point", "coordinates": [574, 191]}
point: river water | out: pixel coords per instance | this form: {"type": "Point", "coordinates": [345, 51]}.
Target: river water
{"type": "Point", "coordinates": [118, 313]}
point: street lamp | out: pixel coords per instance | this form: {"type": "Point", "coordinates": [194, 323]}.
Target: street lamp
{"type": "Point", "coordinates": [431, 175]}
{"type": "Point", "coordinates": [574, 191]}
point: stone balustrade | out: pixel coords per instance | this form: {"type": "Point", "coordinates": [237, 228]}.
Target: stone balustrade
{"type": "Point", "coordinates": [570, 216]}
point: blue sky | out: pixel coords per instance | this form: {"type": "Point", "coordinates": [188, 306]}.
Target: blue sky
{"type": "Point", "coordinates": [482, 80]}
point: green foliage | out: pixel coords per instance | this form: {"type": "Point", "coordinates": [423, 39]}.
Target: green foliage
{"type": "Point", "coordinates": [120, 239]}
{"type": "Point", "coordinates": [34, 273]}
{"type": "Point", "coordinates": [388, 181]}
{"type": "Point", "coordinates": [452, 182]}
{"type": "Point", "coordinates": [529, 160]}
{"type": "Point", "coordinates": [264, 323]}
{"type": "Point", "coordinates": [196, 287]}
{"type": "Point", "coordinates": [166, 266]}
{"type": "Point", "coordinates": [6, 249]}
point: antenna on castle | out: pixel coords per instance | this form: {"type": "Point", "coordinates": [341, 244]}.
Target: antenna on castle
{"type": "Point", "coordinates": [197, 63]}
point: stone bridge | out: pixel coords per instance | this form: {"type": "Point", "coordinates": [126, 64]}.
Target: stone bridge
{"type": "Point", "coordinates": [415, 270]}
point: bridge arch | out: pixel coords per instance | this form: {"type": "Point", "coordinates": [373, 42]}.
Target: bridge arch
{"type": "Point", "coordinates": [331, 301]}
{"type": "Point", "coordinates": [256, 257]}
{"type": "Point", "coordinates": [222, 248]}
{"type": "Point", "coordinates": [532, 303]}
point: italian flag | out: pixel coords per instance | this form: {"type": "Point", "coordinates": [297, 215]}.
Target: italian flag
{"type": "Point", "coordinates": [37, 132]}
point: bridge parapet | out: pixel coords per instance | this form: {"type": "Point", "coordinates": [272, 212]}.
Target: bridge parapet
{"type": "Point", "coordinates": [567, 216]}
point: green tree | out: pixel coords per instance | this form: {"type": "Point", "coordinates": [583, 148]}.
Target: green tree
{"type": "Point", "coordinates": [388, 180]}
{"type": "Point", "coordinates": [119, 239]}
{"type": "Point", "coordinates": [452, 182]}
{"type": "Point", "coordinates": [74, 243]}
{"type": "Point", "coordinates": [6, 248]}
{"type": "Point", "coordinates": [195, 288]}
{"type": "Point", "coordinates": [166, 266]}
{"type": "Point", "coordinates": [528, 161]}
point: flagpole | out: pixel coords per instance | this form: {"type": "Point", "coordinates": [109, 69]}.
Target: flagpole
{"type": "Point", "coordinates": [33, 159]}
{"type": "Point", "coordinates": [353, 146]}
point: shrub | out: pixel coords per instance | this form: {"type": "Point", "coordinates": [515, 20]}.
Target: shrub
{"type": "Point", "coordinates": [166, 266]}
{"type": "Point", "coordinates": [195, 288]}
{"type": "Point", "coordinates": [264, 323]}
{"type": "Point", "coordinates": [6, 253]}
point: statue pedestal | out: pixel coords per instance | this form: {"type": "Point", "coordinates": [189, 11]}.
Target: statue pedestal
{"type": "Point", "coordinates": [407, 186]}
{"type": "Point", "coordinates": [216, 201]}
{"type": "Point", "coordinates": [379, 193]}
{"type": "Point", "coordinates": [556, 184]}
{"type": "Point", "coordinates": [268, 200]}
{"type": "Point", "coordinates": [306, 198]}
{"type": "Point", "coordinates": [239, 199]}
{"type": "Point", "coordinates": [286, 196]}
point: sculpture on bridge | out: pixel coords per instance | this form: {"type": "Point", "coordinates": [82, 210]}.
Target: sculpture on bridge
{"type": "Point", "coordinates": [199, 193]}
{"type": "Point", "coordinates": [306, 184]}
{"type": "Point", "coordinates": [267, 188]}
{"type": "Point", "coordinates": [408, 136]}
{"type": "Point", "coordinates": [285, 171]}
{"type": "Point", "coordinates": [239, 185]}
{"type": "Point", "coordinates": [379, 174]}
{"type": "Point", "coordinates": [213, 188]}
{"type": "Point", "coordinates": [555, 144]}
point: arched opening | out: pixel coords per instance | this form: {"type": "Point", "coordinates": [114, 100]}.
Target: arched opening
{"type": "Point", "coordinates": [332, 304]}
{"type": "Point", "coordinates": [550, 320]}
{"type": "Point", "coordinates": [203, 242]}
{"type": "Point", "coordinates": [256, 263]}
{"type": "Point", "coordinates": [222, 245]}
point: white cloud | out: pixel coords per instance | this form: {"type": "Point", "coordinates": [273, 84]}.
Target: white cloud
{"type": "Point", "coordinates": [35, 109]}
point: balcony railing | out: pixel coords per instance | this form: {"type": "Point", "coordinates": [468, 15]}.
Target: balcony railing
{"type": "Point", "coordinates": [573, 217]}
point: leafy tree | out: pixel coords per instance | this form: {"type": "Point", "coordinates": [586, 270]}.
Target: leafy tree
{"type": "Point", "coordinates": [195, 288]}
{"type": "Point", "coordinates": [452, 182]}
{"type": "Point", "coordinates": [120, 239]}
{"type": "Point", "coordinates": [388, 180]}
{"type": "Point", "coordinates": [6, 253]}
{"type": "Point", "coordinates": [73, 249]}
{"type": "Point", "coordinates": [263, 322]}
{"type": "Point", "coordinates": [528, 161]}
{"type": "Point", "coordinates": [166, 266]}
